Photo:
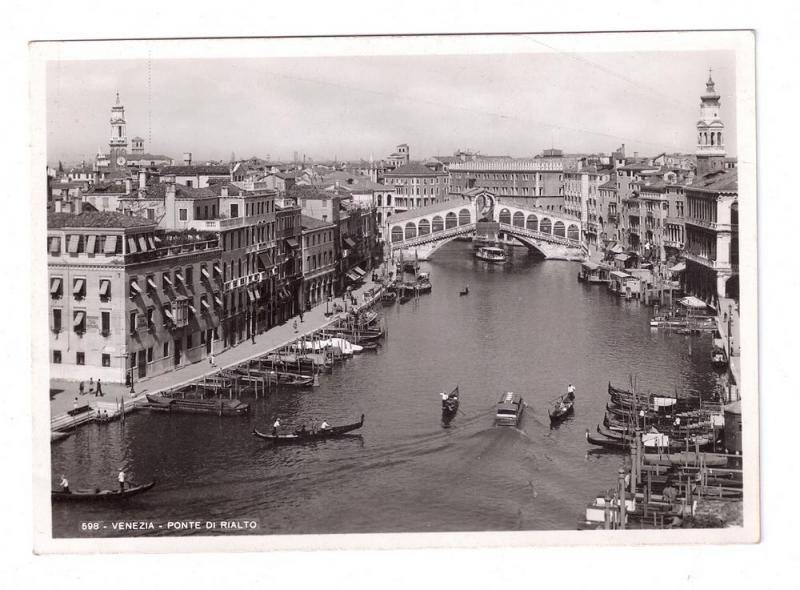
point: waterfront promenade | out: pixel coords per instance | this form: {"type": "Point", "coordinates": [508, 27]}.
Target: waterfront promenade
{"type": "Point", "coordinates": [66, 391]}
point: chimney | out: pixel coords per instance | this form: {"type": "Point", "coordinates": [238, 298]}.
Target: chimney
{"type": "Point", "coordinates": [224, 190]}
{"type": "Point", "coordinates": [169, 205]}
{"type": "Point", "coordinates": [142, 179]}
{"type": "Point", "coordinates": [187, 158]}
{"type": "Point", "coordinates": [623, 149]}
{"type": "Point", "coordinates": [128, 186]}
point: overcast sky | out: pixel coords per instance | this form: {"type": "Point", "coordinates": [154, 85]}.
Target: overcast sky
{"type": "Point", "coordinates": [350, 107]}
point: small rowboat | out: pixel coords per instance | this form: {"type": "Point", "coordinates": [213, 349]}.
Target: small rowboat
{"type": "Point", "coordinates": [308, 435]}
{"type": "Point", "coordinates": [562, 407]}
{"type": "Point", "coordinates": [450, 404]}
{"type": "Point", "coordinates": [100, 495]}
{"type": "Point", "coordinates": [220, 407]}
{"type": "Point", "coordinates": [56, 435]}
{"type": "Point", "coordinates": [464, 292]}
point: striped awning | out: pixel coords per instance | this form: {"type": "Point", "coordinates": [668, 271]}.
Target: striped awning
{"type": "Point", "coordinates": [78, 319]}
{"type": "Point", "coordinates": [105, 287]}
{"type": "Point", "coordinates": [359, 271]}
{"type": "Point", "coordinates": [55, 285]}
{"type": "Point", "coordinates": [111, 244]}
{"type": "Point", "coordinates": [78, 286]}
{"type": "Point", "coordinates": [352, 276]}
{"type": "Point", "coordinates": [91, 242]}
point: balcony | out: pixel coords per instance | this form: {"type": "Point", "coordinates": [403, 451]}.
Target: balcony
{"type": "Point", "coordinates": [712, 264]}
{"type": "Point", "coordinates": [172, 251]}
{"type": "Point", "coordinates": [712, 225]}
{"type": "Point", "coordinates": [216, 225]}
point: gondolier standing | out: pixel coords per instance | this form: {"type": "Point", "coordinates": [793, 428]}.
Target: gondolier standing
{"type": "Point", "coordinates": [570, 392]}
{"type": "Point", "coordinates": [121, 479]}
{"type": "Point", "coordinates": [275, 426]}
{"type": "Point", "coordinates": [64, 483]}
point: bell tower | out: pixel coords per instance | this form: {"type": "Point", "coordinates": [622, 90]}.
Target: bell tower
{"type": "Point", "coordinates": [710, 139]}
{"type": "Point", "coordinates": [119, 140]}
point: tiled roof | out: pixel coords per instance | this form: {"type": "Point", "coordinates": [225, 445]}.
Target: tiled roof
{"type": "Point", "coordinates": [638, 166]}
{"type": "Point", "coordinates": [107, 188]}
{"type": "Point", "coordinates": [158, 190]}
{"type": "Point", "coordinates": [195, 170]}
{"type": "Point", "coordinates": [310, 192]}
{"type": "Point", "coordinates": [145, 156]}
{"type": "Point", "coordinates": [717, 181]}
{"type": "Point", "coordinates": [96, 219]}
{"type": "Point", "coordinates": [307, 222]}
{"type": "Point", "coordinates": [611, 184]}
{"type": "Point", "coordinates": [414, 170]}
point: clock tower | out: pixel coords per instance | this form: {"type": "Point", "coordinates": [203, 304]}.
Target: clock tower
{"type": "Point", "coordinates": [710, 141]}
{"type": "Point", "coordinates": [119, 140]}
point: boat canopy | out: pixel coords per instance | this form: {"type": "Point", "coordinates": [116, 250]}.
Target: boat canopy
{"type": "Point", "coordinates": [617, 249]}
{"type": "Point", "coordinates": [680, 267]}
{"type": "Point", "coordinates": [617, 274]}
{"type": "Point", "coordinates": [621, 257]}
{"type": "Point", "coordinates": [589, 265]}
{"type": "Point", "coordinates": [693, 302]}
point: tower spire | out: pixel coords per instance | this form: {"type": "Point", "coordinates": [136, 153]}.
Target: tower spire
{"type": "Point", "coordinates": [117, 96]}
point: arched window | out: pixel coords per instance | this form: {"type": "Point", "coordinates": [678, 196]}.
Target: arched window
{"type": "Point", "coordinates": [464, 217]}
{"type": "Point", "coordinates": [573, 233]}
{"type": "Point", "coordinates": [713, 139]}
{"type": "Point", "coordinates": [519, 219]}
{"type": "Point", "coordinates": [558, 229]}
{"type": "Point", "coordinates": [450, 220]}
{"type": "Point", "coordinates": [424, 227]}
{"type": "Point", "coordinates": [719, 138]}
{"type": "Point", "coordinates": [411, 230]}
{"type": "Point", "coordinates": [532, 223]}
{"type": "Point", "coordinates": [397, 234]}
{"type": "Point", "coordinates": [546, 226]}
{"type": "Point", "coordinates": [438, 223]}
{"type": "Point", "coordinates": [505, 216]}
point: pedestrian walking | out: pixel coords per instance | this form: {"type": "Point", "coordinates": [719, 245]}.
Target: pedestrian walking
{"type": "Point", "coordinates": [91, 384]}
{"type": "Point", "coordinates": [80, 388]}
{"type": "Point", "coordinates": [75, 405]}
{"type": "Point", "coordinates": [121, 479]}
{"type": "Point", "coordinates": [99, 389]}
{"type": "Point", "coordinates": [211, 360]}
{"type": "Point", "coordinates": [295, 326]}
{"type": "Point", "coordinates": [301, 317]}
{"type": "Point", "coordinates": [253, 337]}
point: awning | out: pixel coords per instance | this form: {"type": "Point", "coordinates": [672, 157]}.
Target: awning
{"type": "Point", "coordinates": [78, 319]}
{"type": "Point", "coordinates": [192, 309]}
{"type": "Point", "coordinates": [157, 239]}
{"type": "Point", "coordinates": [265, 260]}
{"type": "Point", "coordinates": [168, 313]}
{"type": "Point", "coordinates": [287, 294]}
{"type": "Point", "coordinates": [693, 302]}
{"type": "Point", "coordinates": [621, 257]}
{"type": "Point", "coordinates": [55, 285]}
{"type": "Point", "coordinates": [135, 286]}
{"type": "Point", "coordinates": [72, 247]}
{"type": "Point", "coordinates": [204, 272]}
{"type": "Point", "coordinates": [132, 246]}
{"type": "Point", "coordinates": [292, 243]}
{"type": "Point", "coordinates": [77, 286]}
{"type": "Point", "coordinates": [152, 242]}
{"type": "Point", "coordinates": [619, 275]}
{"type": "Point", "coordinates": [257, 291]}
{"type": "Point", "coordinates": [179, 276]}
{"type": "Point", "coordinates": [359, 271]}
{"type": "Point", "coordinates": [617, 249]}
{"type": "Point", "coordinates": [105, 287]}
{"type": "Point", "coordinates": [111, 244]}
{"type": "Point", "coordinates": [167, 279]}
{"type": "Point", "coordinates": [151, 283]}
{"type": "Point", "coordinates": [588, 265]}
{"type": "Point", "coordinates": [349, 242]}
{"type": "Point", "coordinates": [250, 295]}
{"type": "Point", "coordinates": [680, 267]}
{"type": "Point", "coordinates": [217, 269]}
{"type": "Point", "coordinates": [90, 244]}
{"type": "Point", "coordinates": [204, 304]}
{"type": "Point", "coordinates": [55, 247]}
{"type": "Point", "coordinates": [353, 276]}
{"type": "Point", "coordinates": [143, 243]}
{"type": "Point", "coordinates": [218, 300]}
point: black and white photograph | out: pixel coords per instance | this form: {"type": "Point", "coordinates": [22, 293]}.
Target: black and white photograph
{"type": "Point", "coordinates": [296, 292]}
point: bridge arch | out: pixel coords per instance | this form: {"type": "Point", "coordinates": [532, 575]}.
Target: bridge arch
{"type": "Point", "coordinates": [558, 229]}
{"type": "Point", "coordinates": [411, 230]}
{"type": "Point", "coordinates": [450, 220]}
{"type": "Point", "coordinates": [519, 219]}
{"type": "Point", "coordinates": [546, 226]}
{"type": "Point", "coordinates": [464, 217]}
{"type": "Point", "coordinates": [438, 223]}
{"type": "Point", "coordinates": [397, 234]}
{"type": "Point", "coordinates": [532, 223]}
{"type": "Point", "coordinates": [573, 233]}
{"type": "Point", "coordinates": [424, 227]}
{"type": "Point", "coordinates": [505, 216]}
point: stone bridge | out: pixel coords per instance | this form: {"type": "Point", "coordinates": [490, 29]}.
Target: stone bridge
{"type": "Point", "coordinates": [426, 229]}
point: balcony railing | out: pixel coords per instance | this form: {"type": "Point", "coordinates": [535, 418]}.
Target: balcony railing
{"type": "Point", "coordinates": [169, 251]}
{"type": "Point", "coordinates": [712, 225]}
{"type": "Point", "coordinates": [713, 264]}
{"type": "Point", "coordinates": [216, 224]}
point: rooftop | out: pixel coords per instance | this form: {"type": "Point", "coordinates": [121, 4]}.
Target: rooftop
{"type": "Point", "coordinates": [718, 181]}
{"type": "Point", "coordinates": [509, 165]}
{"type": "Point", "coordinates": [195, 170]}
{"type": "Point", "coordinates": [307, 222]}
{"type": "Point", "coordinates": [414, 170]}
{"type": "Point", "coordinates": [133, 156]}
{"type": "Point", "coordinates": [96, 219]}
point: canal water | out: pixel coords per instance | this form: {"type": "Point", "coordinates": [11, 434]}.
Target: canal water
{"type": "Point", "coordinates": [527, 326]}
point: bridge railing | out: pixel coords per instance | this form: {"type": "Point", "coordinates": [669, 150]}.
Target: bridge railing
{"type": "Point", "coordinates": [537, 235]}
{"type": "Point", "coordinates": [434, 236]}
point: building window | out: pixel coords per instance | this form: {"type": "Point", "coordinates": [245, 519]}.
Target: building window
{"type": "Point", "coordinates": [150, 312]}
{"type": "Point", "coordinates": [189, 183]}
{"type": "Point", "coordinates": [79, 322]}
{"type": "Point", "coordinates": [150, 355]}
{"type": "Point", "coordinates": [166, 280]}
{"type": "Point", "coordinates": [234, 210]}
{"type": "Point", "coordinates": [105, 360]}
{"type": "Point", "coordinates": [79, 288]}
{"type": "Point", "coordinates": [56, 320]}
{"type": "Point", "coordinates": [166, 349]}
{"type": "Point", "coordinates": [182, 214]}
{"type": "Point", "coordinates": [57, 357]}
{"type": "Point", "coordinates": [188, 341]}
{"type": "Point", "coordinates": [105, 323]}
{"type": "Point", "coordinates": [80, 358]}
{"type": "Point", "coordinates": [189, 276]}
{"type": "Point", "coordinates": [132, 319]}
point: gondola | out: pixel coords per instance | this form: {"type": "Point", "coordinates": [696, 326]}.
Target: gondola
{"type": "Point", "coordinates": [450, 404]}
{"type": "Point", "coordinates": [464, 292]}
{"type": "Point", "coordinates": [98, 495]}
{"type": "Point", "coordinates": [294, 379]}
{"type": "Point", "coordinates": [56, 435]}
{"type": "Point", "coordinates": [608, 443]}
{"type": "Point", "coordinates": [562, 407]}
{"type": "Point", "coordinates": [405, 298]}
{"type": "Point", "coordinates": [221, 407]}
{"type": "Point", "coordinates": [308, 435]}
